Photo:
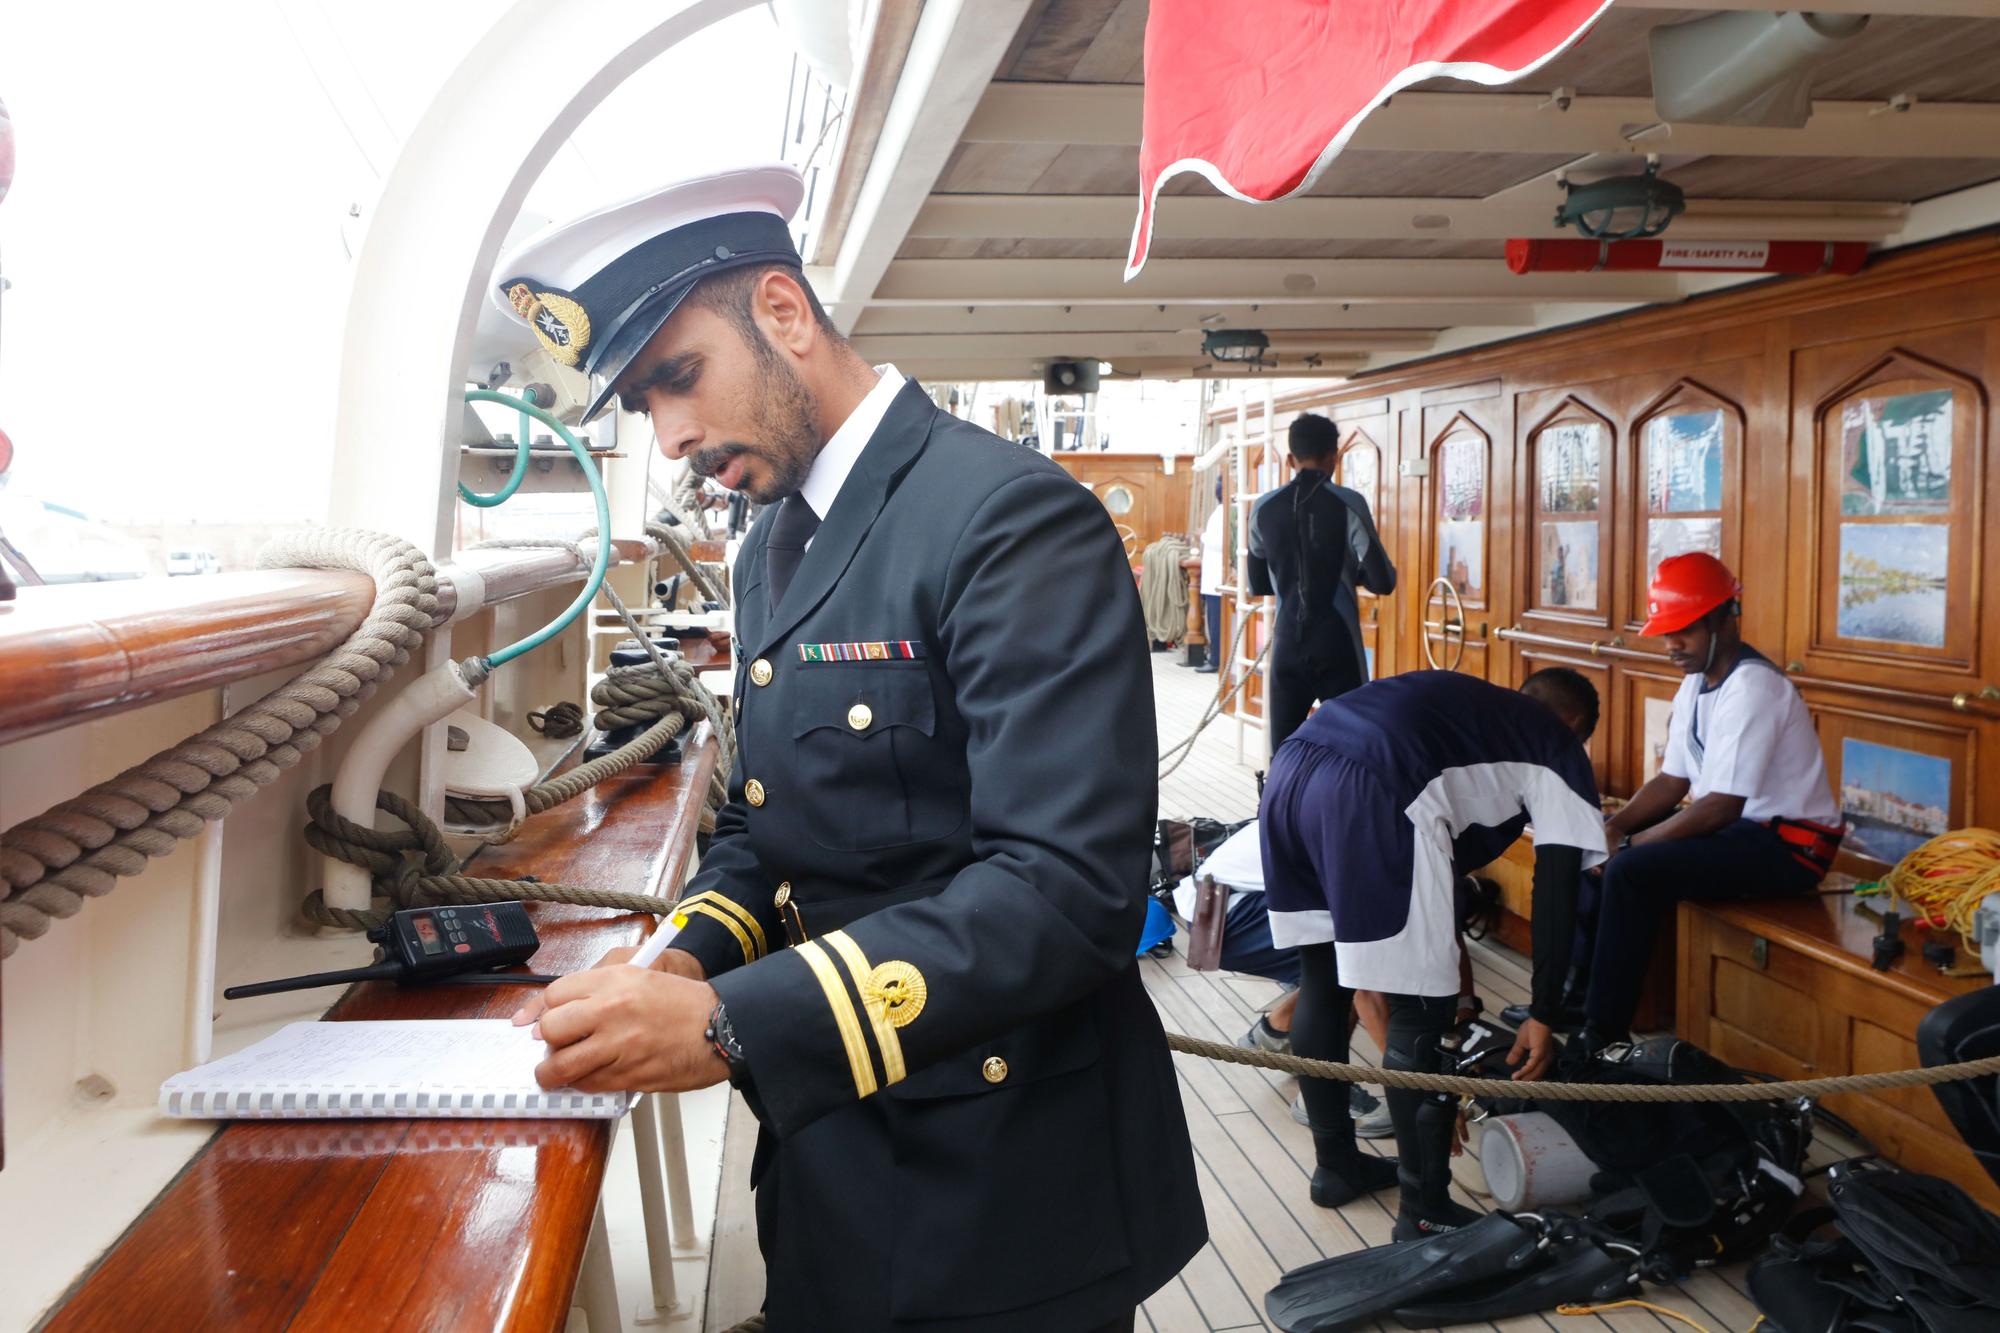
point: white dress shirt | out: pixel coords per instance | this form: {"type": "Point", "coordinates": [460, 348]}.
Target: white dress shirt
{"type": "Point", "coordinates": [838, 456]}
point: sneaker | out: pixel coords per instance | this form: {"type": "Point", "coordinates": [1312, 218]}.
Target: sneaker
{"type": "Point", "coordinates": [1376, 1123]}
{"type": "Point", "coordinates": [1263, 1037]}
{"type": "Point", "coordinates": [1359, 1103]}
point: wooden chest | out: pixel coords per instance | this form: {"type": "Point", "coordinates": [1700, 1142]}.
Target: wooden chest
{"type": "Point", "coordinates": [1786, 988]}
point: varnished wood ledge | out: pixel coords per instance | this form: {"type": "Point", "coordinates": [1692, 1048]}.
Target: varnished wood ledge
{"type": "Point", "coordinates": [78, 652]}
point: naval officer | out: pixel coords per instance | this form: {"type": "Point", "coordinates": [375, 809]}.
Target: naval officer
{"type": "Point", "coordinates": [911, 941]}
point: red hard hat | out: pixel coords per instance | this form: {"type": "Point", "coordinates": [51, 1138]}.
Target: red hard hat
{"type": "Point", "coordinates": [1686, 588]}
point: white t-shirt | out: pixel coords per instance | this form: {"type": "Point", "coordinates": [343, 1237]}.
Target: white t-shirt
{"type": "Point", "coordinates": [1751, 737]}
{"type": "Point", "coordinates": [1211, 554]}
{"type": "Point", "coordinates": [1237, 863]}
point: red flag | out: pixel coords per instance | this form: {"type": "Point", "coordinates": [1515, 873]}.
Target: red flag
{"type": "Point", "coordinates": [1259, 97]}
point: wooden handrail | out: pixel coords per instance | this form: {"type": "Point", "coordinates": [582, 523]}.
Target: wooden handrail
{"type": "Point", "coordinates": [367, 1223]}
{"type": "Point", "coordinates": [76, 652]}
{"type": "Point", "coordinates": [1963, 701]}
{"type": "Point", "coordinates": [73, 653]}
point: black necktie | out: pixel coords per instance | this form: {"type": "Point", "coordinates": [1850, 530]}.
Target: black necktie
{"type": "Point", "coordinates": [790, 531]}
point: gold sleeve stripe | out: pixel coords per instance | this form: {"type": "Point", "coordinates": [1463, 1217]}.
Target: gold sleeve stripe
{"type": "Point", "coordinates": [740, 912]}
{"type": "Point", "coordinates": [886, 1040]}
{"type": "Point", "coordinates": [844, 1017]}
{"type": "Point", "coordinates": [708, 909]}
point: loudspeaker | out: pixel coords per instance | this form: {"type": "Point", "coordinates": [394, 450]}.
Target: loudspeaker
{"type": "Point", "coordinates": [1070, 377]}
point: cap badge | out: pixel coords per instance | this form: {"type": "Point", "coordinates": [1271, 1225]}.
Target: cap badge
{"type": "Point", "coordinates": [559, 322]}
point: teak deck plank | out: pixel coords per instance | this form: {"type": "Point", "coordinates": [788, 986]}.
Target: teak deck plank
{"type": "Point", "coordinates": [374, 1224]}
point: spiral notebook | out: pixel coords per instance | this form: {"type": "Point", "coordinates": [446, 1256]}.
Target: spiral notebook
{"type": "Point", "coordinates": [440, 1067]}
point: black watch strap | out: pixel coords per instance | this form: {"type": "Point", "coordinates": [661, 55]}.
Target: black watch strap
{"type": "Point", "coordinates": [721, 1034]}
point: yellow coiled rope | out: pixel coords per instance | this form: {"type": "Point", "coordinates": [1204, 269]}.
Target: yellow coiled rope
{"type": "Point", "coordinates": [1949, 876]}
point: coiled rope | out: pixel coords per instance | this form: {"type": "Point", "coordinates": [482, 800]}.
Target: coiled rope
{"type": "Point", "coordinates": [78, 850]}
{"type": "Point", "coordinates": [1948, 877]}
{"type": "Point", "coordinates": [414, 866]}
{"type": "Point", "coordinates": [1458, 1086]}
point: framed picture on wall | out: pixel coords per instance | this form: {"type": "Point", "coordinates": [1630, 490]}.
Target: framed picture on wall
{"type": "Point", "coordinates": [1898, 781]}
{"type": "Point", "coordinates": [1658, 714]}
{"type": "Point", "coordinates": [1897, 504]}
{"type": "Point", "coordinates": [1460, 486]}
{"type": "Point", "coordinates": [1683, 469]}
{"type": "Point", "coordinates": [1896, 453]}
{"type": "Point", "coordinates": [1568, 565]}
{"type": "Point", "coordinates": [1570, 510]}
{"type": "Point", "coordinates": [1687, 461]}
{"type": "Point", "coordinates": [1892, 799]}
{"type": "Point", "coordinates": [1893, 578]}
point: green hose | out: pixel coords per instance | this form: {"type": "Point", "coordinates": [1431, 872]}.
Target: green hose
{"type": "Point", "coordinates": [505, 493]}
{"type": "Point", "coordinates": [589, 465]}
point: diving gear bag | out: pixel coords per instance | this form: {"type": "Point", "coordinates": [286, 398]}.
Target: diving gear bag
{"type": "Point", "coordinates": [1913, 1254]}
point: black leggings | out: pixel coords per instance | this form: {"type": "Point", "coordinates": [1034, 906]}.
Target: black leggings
{"type": "Point", "coordinates": [1424, 1121]}
{"type": "Point", "coordinates": [1295, 687]}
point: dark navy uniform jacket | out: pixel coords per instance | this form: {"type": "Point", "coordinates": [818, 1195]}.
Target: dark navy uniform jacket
{"type": "Point", "coordinates": [924, 895]}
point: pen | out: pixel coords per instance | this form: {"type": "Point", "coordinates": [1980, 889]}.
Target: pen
{"type": "Point", "coordinates": [655, 945]}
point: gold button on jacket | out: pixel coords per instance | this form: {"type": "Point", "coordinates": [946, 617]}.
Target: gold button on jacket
{"type": "Point", "coordinates": [994, 1070]}
{"type": "Point", "coordinates": [753, 792]}
{"type": "Point", "coordinates": [860, 716]}
{"type": "Point", "coordinates": [760, 672]}
{"type": "Point", "coordinates": [784, 894]}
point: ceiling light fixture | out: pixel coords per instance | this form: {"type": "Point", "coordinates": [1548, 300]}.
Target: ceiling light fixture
{"type": "Point", "coordinates": [1621, 208]}
{"type": "Point", "coordinates": [1243, 347]}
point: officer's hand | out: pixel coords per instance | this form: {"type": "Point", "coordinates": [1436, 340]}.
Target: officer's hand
{"type": "Point", "coordinates": [1534, 1051]}
{"type": "Point", "coordinates": [679, 962]}
{"type": "Point", "coordinates": [628, 1029]}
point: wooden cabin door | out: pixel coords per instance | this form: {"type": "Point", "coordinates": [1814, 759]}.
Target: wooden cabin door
{"type": "Point", "coordinates": [1363, 459]}
{"type": "Point", "coordinates": [1461, 588]}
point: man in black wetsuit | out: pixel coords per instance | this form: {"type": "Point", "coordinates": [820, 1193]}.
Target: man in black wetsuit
{"type": "Point", "coordinates": [1311, 542]}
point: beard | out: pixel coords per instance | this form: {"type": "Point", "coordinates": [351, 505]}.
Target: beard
{"type": "Point", "coordinates": [785, 422]}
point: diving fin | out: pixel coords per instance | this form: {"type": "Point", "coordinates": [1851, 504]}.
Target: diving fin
{"type": "Point", "coordinates": [1578, 1271]}
{"type": "Point", "coordinates": [1350, 1289]}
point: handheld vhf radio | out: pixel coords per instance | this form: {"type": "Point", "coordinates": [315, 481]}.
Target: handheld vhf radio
{"type": "Point", "coordinates": [426, 945]}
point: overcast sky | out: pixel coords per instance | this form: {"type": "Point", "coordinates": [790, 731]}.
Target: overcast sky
{"type": "Point", "coordinates": [178, 231]}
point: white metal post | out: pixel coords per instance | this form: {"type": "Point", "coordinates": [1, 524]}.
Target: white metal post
{"type": "Point", "coordinates": [652, 1197]}
{"type": "Point", "coordinates": [1242, 501]}
{"type": "Point", "coordinates": [596, 1283]}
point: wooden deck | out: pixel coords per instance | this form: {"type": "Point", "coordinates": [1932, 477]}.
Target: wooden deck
{"type": "Point", "coordinates": [1253, 1160]}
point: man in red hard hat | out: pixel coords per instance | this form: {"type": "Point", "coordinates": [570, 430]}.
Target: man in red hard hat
{"type": "Point", "coordinates": [1760, 819]}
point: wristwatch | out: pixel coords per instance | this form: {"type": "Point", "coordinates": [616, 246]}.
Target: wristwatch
{"type": "Point", "coordinates": [722, 1036]}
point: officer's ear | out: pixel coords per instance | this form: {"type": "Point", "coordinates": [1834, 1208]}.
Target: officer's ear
{"type": "Point", "coordinates": [785, 311]}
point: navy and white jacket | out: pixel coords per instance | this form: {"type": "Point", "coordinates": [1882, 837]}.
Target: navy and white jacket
{"type": "Point", "coordinates": [1389, 792]}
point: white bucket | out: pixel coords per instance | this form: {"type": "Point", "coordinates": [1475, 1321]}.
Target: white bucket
{"type": "Point", "coordinates": [1531, 1163]}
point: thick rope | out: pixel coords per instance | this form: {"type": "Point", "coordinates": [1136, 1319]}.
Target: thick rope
{"type": "Point", "coordinates": [675, 546]}
{"type": "Point", "coordinates": [1787, 1090]}
{"type": "Point", "coordinates": [413, 866]}
{"type": "Point", "coordinates": [664, 692]}
{"type": "Point", "coordinates": [52, 863]}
